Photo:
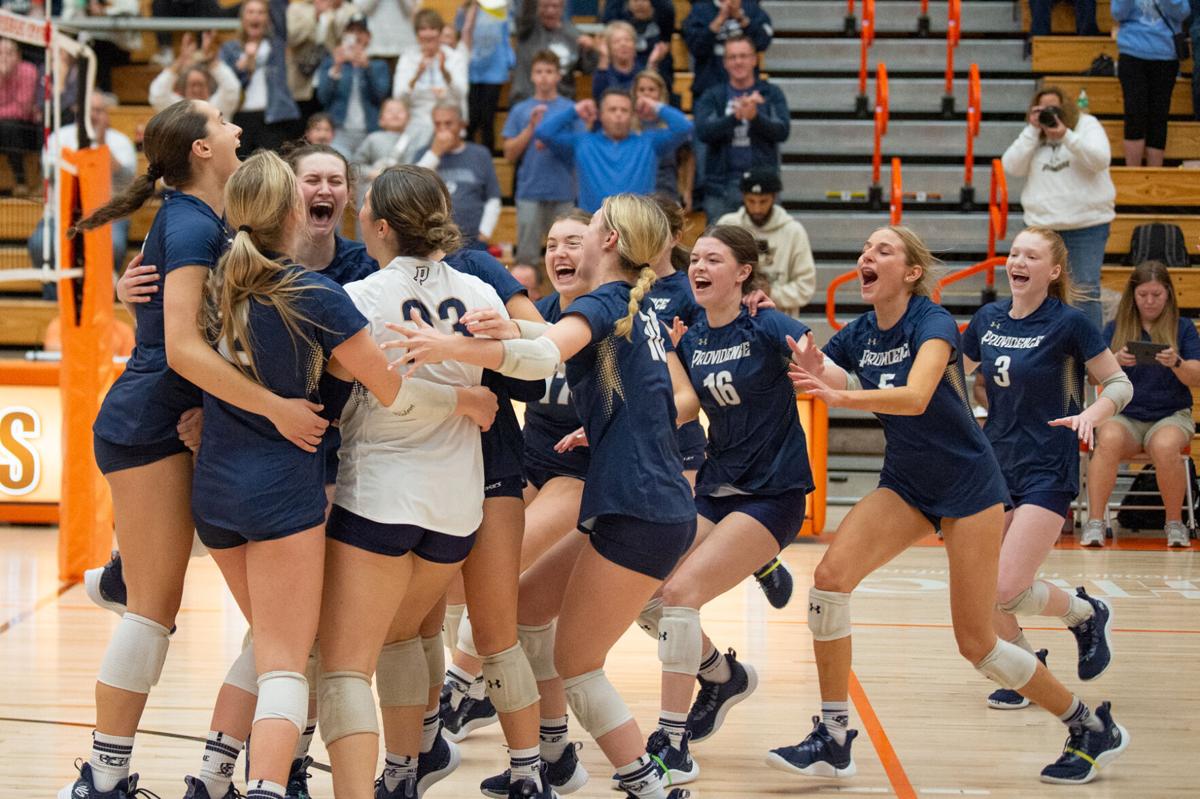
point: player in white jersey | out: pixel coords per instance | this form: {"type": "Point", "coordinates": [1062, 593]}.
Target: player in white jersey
{"type": "Point", "coordinates": [410, 486]}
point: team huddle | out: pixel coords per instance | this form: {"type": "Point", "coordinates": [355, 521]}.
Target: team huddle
{"type": "Point", "coordinates": [334, 420]}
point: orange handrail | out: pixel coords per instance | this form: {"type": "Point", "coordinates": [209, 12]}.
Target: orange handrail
{"type": "Point", "coordinates": [897, 205]}
{"type": "Point", "coordinates": [989, 265]}
{"type": "Point", "coordinates": [831, 297]}
{"type": "Point", "coordinates": [997, 208]}
{"type": "Point", "coordinates": [867, 36]}
{"type": "Point", "coordinates": [953, 33]}
{"type": "Point", "coordinates": [974, 116]}
{"type": "Point", "coordinates": [881, 120]}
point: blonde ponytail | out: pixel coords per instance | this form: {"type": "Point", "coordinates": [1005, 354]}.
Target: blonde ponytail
{"type": "Point", "coordinates": [645, 282]}
{"type": "Point", "coordinates": [642, 233]}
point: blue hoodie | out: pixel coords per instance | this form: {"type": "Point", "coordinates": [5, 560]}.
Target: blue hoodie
{"type": "Point", "coordinates": [1143, 33]}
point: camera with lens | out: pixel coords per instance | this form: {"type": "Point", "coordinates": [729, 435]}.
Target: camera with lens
{"type": "Point", "coordinates": [1048, 117]}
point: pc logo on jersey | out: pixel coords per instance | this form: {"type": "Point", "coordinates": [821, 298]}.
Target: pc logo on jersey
{"type": "Point", "coordinates": [421, 274]}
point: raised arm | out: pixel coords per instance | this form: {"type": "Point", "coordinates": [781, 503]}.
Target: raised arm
{"type": "Point", "coordinates": [910, 399]}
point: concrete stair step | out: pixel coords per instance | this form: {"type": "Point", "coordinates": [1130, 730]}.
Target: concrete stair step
{"type": "Point", "coordinates": [942, 184]}
{"type": "Point", "coordinates": [907, 96]}
{"type": "Point", "coordinates": [891, 16]}
{"type": "Point", "coordinates": [952, 236]}
{"type": "Point", "coordinates": [854, 137]}
{"type": "Point", "coordinates": [900, 55]}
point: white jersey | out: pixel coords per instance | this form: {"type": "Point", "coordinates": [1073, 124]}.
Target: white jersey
{"type": "Point", "coordinates": [402, 471]}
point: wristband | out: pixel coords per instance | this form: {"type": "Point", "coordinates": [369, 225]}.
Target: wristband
{"type": "Point", "coordinates": [424, 400]}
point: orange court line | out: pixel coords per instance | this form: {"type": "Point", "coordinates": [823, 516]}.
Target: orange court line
{"type": "Point", "coordinates": [883, 747]}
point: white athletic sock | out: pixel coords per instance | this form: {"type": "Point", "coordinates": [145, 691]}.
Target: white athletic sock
{"type": "Point", "coordinates": [641, 779]}
{"type": "Point", "coordinates": [396, 769]}
{"type": "Point", "coordinates": [552, 738]}
{"type": "Point", "coordinates": [478, 689]}
{"type": "Point", "coordinates": [836, 718]}
{"type": "Point", "coordinates": [220, 757]}
{"type": "Point", "coordinates": [430, 728]}
{"type": "Point", "coordinates": [460, 684]}
{"type": "Point", "coordinates": [674, 725]}
{"type": "Point", "coordinates": [305, 739]}
{"type": "Point", "coordinates": [263, 789]}
{"type": "Point", "coordinates": [1080, 715]}
{"type": "Point", "coordinates": [1078, 611]}
{"type": "Point", "coordinates": [109, 760]}
{"type": "Point", "coordinates": [714, 667]}
{"type": "Point", "coordinates": [525, 764]}
{"type": "Point", "coordinates": [1022, 642]}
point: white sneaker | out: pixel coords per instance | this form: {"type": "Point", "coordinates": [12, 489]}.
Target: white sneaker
{"type": "Point", "coordinates": [1177, 535]}
{"type": "Point", "coordinates": [1093, 534]}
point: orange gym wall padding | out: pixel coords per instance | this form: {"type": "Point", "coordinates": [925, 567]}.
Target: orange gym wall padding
{"type": "Point", "coordinates": [85, 512]}
{"type": "Point", "coordinates": [814, 417]}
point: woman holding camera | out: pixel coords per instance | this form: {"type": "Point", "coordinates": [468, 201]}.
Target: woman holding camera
{"type": "Point", "coordinates": [1063, 155]}
{"type": "Point", "coordinates": [1159, 419]}
{"type": "Point", "coordinates": [1149, 64]}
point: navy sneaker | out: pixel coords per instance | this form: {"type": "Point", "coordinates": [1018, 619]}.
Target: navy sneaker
{"type": "Point", "coordinates": [297, 784]}
{"type": "Point", "coordinates": [818, 755]}
{"type": "Point", "coordinates": [566, 775]}
{"type": "Point", "coordinates": [1007, 698]}
{"type": "Point", "coordinates": [105, 585]}
{"type": "Point", "coordinates": [676, 793]}
{"type": "Point", "coordinates": [196, 789]}
{"type": "Point", "coordinates": [776, 582]}
{"type": "Point", "coordinates": [675, 765]}
{"type": "Point", "coordinates": [1088, 751]}
{"type": "Point", "coordinates": [526, 788]}
{"type": "Point", "coordinates": [471, 714]}
{"type": "Point", "coordinates": [444, 709]}
{"type": "Point", "coordinates": [85, 788]}
{"type": "Point", "coordinates": [436, 764]}
{"type": "Point", "coordinates": [1092, 638]}
{"type": "Point", "coordinates": [404, 790]}
{"type": "Point", "coordinates": [716, 698]}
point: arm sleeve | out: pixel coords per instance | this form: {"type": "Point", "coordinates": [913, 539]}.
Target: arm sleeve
{"type": "Point", "coordinates": [759, 28]}
{"type": "Point", "coordinates": [1122, 10]}
{"type": "Point", "coordinates": [122, 149]}
{"type": "Point", "coordinates": [696, 33]}
{"type": "Point", "coordinates": [936, 323]}
{"type": "Point", "coordinates": [1189, 341]}
{"type": "Point", "coordinates": [1019, 155]}
{"type": "Point", "coordinates": [1089, 143]}
{"type": "Point", "coordinates": [162, 89]}
{"type": "Point", "coordinates": [191, 245]}
{"type": "Point", "coordinates": [379, 83]}
{"type": "Point", "coordinates": [779, 326]}
{"type": "Point", "coordinates": [230, 53]}
{"type": "Point", "coordinates": [515, 122]}
{"type": "Point", "coordinates": [489, 217]}
{"type": "Point", "coordinates": [326, 85]}
{"type": "Point", "coordinates": [229, 89]}
{"type": "Point", "coordinates": [713, 125]}
{"type": "Point", "coordinates": [406, 69]}
{"type": "Point", "coordinates": [557, 130]}
{"type": "Point", "coordinates": [800, 281]}
{"type": "Point", "coordinates": [340, 319]}
{"type": "Point", "coordinates": [1088, 339]}
{"type": "Point", "coordinates": [772, 122]}
{"type": "Point", "coordinates": [679, 129]}
{"type": "Point", "coordinates": [836, 350]}
{"type": "Point", "coordinates": [599, 320]}
{"type": "Point", "coordinates": [429, 159]}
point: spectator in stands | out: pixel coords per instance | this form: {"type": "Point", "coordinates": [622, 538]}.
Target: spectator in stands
{"type": "Point", "coordinates": [112, 49]}
{"type": "Point", "coordinates": [20, 114]}
{"type": "Point", "coordinates": [1194, 33]}
{"type": "Point", "coordinates": [1158, 421]}
{"type": "Point", "coordinates": [676, 176]}
{"type": "Point", "coordinates": [392, 22]}
{"type": "Point", "coordinates": [197, 74]}
{"type": "Point", "coordinates": [529, 277]}
{"type": "Point", "coordinates": [352, 86]}
{"type": "Point", "coordinates": [124, 165]}
{"type": "Point", "coordinates": [541, 26]}
{"type": "Point", "coordinates": [1147, 67]}
{"type": "Point", "coordinates": [180, 9]}
{"type": "Point", "coordinates": [615, 158]}
{"type": "Point", "coordinates": [742, 122]}
{"type": "Point", "coordinates": [1085, 17]}
{"type": "Point", "coordinates": [319, 129]}
{"type": "Point", "coordinates": [1067, 186]}
{"type": "Point", "coordinates": [653, 22]}
{"type": "Point", "coordinates": [545, 186]}
{"type": "Point", "coordinates": [711, 25]}
{"type": "Point", "coordinates": [486, 35]}
{"type": "Point", "coordinates": [428, 74]}
{"type": "Point", "coordinates": [785, 258]}
{"type": "Point", "coordinates": [616, 66]}
{"type": "Point", "coordinates": [315, 28]}
{"type": "Point", "coordinates": [269, 115]}
{"type": "Point", "coordinates": [388, 146]}
{"type": "Point", "coordinates": [468, 172]}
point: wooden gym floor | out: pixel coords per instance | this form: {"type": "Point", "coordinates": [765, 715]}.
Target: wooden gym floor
{"type": "Point", "coordinates": [924, 727]}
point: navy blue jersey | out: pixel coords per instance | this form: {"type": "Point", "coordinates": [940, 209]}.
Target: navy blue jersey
{"type": "Point", "coordinates": [755, 442]}
{"type": "Point", "coordinates": [144, 404]}
{"type": "Point", "coordinates": [1034, 370]}
{"type": "Point", "coordinates": [287, 486]}
{"type": "Point", "coordinates": [622, 391]}
{"type": "Point", "coordinates": [671, 296]}
{"type": "Point", "coordinates": [502, 444]}
{"type": "Point", "coordinates": [1157, 392]}
{"type": "Point", "coordinates": [939, 461]}
{"type": "Point", "coordinates": [553, 417]}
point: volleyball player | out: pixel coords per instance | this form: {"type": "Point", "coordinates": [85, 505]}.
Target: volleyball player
{"type": "Point", "coordinates": [901, 361]}
{"type": "Point", "coordinates": [1034, 351]}
{"type": "Point", "coordinates": [627, 384]}
{"type": "Point", "coordinates": [191, 148]}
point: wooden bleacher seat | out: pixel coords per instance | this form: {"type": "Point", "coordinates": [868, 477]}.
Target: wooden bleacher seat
{"type": "Point", "coordinates": [1186, 280]}
{"type": "Point", "coordinates": [1165, 186]}
{"type": "Point", "coordinates": [1075, 53]}
{"type": "Point", "coordinates": [1105, 97]}
{"type": "Point", "coordinates": [683, 87]}
{"type": "Point", "coordinates": [1121, 230]}
{"type": "Point", "coordinates": [127, 118]}
{"type": "Point", "coordinates": [1062, 17]}
{"type": "Point", "coordinates": [131, 83]}
{"type": "Point", "coordinates": [506, 175]}
{"type": "Point", "coordinates": [23, 322]}
{"type": "Point", "coordinates": [1183, 138]}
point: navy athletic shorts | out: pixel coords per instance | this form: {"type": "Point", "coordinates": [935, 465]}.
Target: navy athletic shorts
{"type": "Point", "coordinates": [782, 514]}
{"type": "Point", "coordinates": [396, 539]}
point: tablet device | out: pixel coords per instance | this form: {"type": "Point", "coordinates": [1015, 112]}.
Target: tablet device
{"type": "Point", "coordinates": [1144, 351]}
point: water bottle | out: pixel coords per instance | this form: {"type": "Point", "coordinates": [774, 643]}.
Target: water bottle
{"type": "Point", "coordinates": [1082, 101]}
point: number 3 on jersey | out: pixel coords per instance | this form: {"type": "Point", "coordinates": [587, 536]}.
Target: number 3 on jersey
{"type": "Point", "coordinates": [449, 310]}
{"type": "Point", "coordinates": [1001, 376]}
{"type": "Point", "coordinates": [720, 384]}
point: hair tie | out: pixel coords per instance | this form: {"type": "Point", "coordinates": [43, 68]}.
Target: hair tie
{"type": "Point", "coordinates": [154, 172]}
{"type": "Point", "coordinates": [245, 229]}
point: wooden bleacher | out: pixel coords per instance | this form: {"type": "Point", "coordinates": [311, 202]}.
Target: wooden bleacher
{"type": "Point", "coordinates": [1183, 139]}
{"type": "Point", "coordinates": [1122, 227]}
{"type": "Point", "coordinates": [1156, 186]}
{"type": "Point", "coordinates": [1075, 53]}
{"type": "Point", "coordinates": [1062, 17]}
{"type": "Point", "coordinates": [1105, 97]}
{"type": "Point", "coordinates": [1186, 280]}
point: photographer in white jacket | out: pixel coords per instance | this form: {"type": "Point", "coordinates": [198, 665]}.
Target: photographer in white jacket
{"type": "Point", "coordinates": [1064, 157]}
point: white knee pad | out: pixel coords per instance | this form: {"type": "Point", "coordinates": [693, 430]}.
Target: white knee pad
{"type": "Point", "coordinates": [509, 680]}
{"type": "Point", "coordinates": [650, 617]}
{"type": "Point", "coordinates": [283, 695]}
{"type": "Point", "coordinates": [828, 614]}
{"type": "Point", "coordinates": [538, 643]}
{"type": "Point", "coordinates": [242, 674]}
{"type": "Point", "coordinates": [1030, 602]}
{"type": "Point", "coordinates": [1008, 665]}
{"type": "Point", "coordinates": [466, 638]}
{"type": "Point", "coordinates": [450, 624]}
{"type": "Point", "coordinates": [435, 659]}
{"type": "Point", "coordinates": [680, 640]}
{"type": "Point", "coordinates": [402, 674]}
{"type": "Point", "coordinates": [596, 703]}
{"type": "Point", "coordinates": [135, 655]}
{"type": "Point", "coordinates": [345, 705]}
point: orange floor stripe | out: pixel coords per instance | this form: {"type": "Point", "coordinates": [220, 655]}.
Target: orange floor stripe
{"type": "Point", "coordinates": [883, 747]}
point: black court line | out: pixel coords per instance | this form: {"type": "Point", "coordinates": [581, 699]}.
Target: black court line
{"type": "Point", "coordinates": [41, 603]}
{"type": "Point", "coordinates": [158, 733]}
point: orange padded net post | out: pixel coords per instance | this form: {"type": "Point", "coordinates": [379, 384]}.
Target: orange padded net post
{"type": "Point", "coordinates": [814, 418]}
{"type": "Point", "coordinates": [85, 513]}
